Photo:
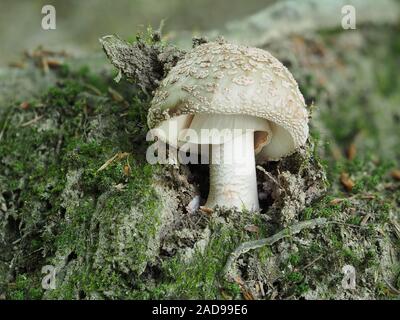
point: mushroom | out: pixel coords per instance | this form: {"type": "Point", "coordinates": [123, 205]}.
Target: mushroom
{"type": "Point", "coordinates": [219, 85]}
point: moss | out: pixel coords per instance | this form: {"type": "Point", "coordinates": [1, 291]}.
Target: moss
{"type": "Point", "coordinates": [41, 157]}
{"type": "Point", "coordinates": [25, 287]}
{"type": "Point", "coordinates": [294, 259]}
{"type": "Point", "coordinates": [201, 277]}
{"type": "Point", "coordinates": [360, 218]}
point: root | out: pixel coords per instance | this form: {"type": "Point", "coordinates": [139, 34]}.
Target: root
{"type": "Point", "coordinates": [230, 271]}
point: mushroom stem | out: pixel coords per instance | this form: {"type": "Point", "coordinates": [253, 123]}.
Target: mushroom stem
{"type": "Point", "coordinates": [233, 181]}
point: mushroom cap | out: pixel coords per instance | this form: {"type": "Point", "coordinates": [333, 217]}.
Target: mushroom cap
{"type": "Point", "coordinates": [223, 78]}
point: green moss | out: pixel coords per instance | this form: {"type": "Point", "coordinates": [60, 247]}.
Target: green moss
{"type": "Point", "coordinates": [263, 254]}
{"type": "Point", "coordinates": [42, 156]}
{"type": "Point", "coordinates": [294, 259]}
{"type": "Point", "coordinates": [295, 277]}
{"type": "Point", "coordinates": [296, 282]}
{"type": "Point", "coordinates": [25, 287]}
{"type": "Point", "coordinates": [341, 242]}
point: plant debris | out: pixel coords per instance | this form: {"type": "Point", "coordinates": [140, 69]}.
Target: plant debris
{"type": "Point", "coordinates": [346, 181]}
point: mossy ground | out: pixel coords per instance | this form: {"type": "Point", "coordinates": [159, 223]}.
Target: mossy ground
{"type": "Point", "coordinates": [113, 234]}
{"type": "Point", "coordinates": [51, 186]}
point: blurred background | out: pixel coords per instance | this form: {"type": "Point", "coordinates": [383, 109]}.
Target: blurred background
{"type": "Point", "coordinates": [81, 23]}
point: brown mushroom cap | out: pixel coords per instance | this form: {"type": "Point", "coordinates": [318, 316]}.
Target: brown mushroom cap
{"type": "Point", "coordinates": [223, 78]}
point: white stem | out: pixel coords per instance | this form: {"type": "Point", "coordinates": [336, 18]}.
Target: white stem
{"type": "Point", "coordinates": [233, 181]}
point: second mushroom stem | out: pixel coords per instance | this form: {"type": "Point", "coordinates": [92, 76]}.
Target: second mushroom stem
{"type": "Point", "coordinates": [233, 181]}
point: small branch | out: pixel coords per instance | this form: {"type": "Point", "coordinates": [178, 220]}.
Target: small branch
{"type": "Point", "coordinates": [229, 270]}
{"type": "Point", "coordinates": [34, 120]}
{"type": "Point", "coordinates": [118, 155]}
{"type": "Point", "coordinates": [312, 262]}
{"type": "Point", "coordinates": [391, 287]}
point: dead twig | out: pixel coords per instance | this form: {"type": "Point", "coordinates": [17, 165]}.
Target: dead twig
{"type": "Point", "coordinates": [396, 174]}
{"type": "Point", "coordinates": [391, 287]}
{"type": "Point", "coordinates": [34, 120]}
{"type": "Point", "coordinates": [118, 155]}
{"type": "Point", "coordinates": [313, 261]}
{"type": "Point", "coordinates": [346, 181]}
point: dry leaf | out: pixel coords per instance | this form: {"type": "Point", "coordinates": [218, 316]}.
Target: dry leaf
{"type": "Point", "coordinates": [127, 170]}
{"type": "Point", "coordinates": [336, 201]}
{"type": "Point", "coordinates": [53, 63]}
{"type": "Point", "coordinates": [115, 95]}
{"type": "Point", "coordinates": [24, 105]}
{"type": "Point", "coordinates": [365, 220]}
{"type": "Point", "coordinates": [346, 181]}
{"type": "Point", "coordinates": [251, 228]}
{"type": "Point", "coordinates": [245, 292]}
{"type": "Point", "coordinates": [368, 197]}
{"type": "Point", "coordinates": [351, 151]}
{"type": "Point", "coordinates": [239, 281]}
{"type": "Point", "coordinates": [225, 295]}
{"type": "Point", "coordinates": [206, 210]}
{"type": "Point", "coordinates": [396, 174]}
{"type": "Point", "coordinates": [247, 295]}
